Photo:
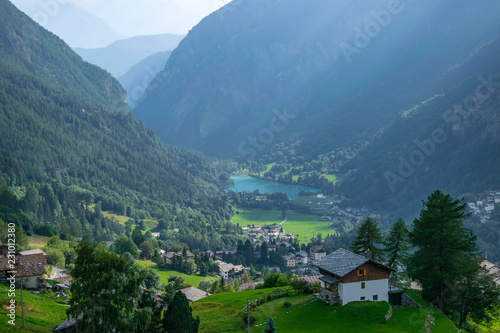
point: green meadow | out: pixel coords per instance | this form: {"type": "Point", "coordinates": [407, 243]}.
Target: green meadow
{"type": "Point", "coordinates": [165, 274]}
{"type": "Point", "coordinates": [223, 313]}
{"type": "Point", "coordinates": [304, 225]}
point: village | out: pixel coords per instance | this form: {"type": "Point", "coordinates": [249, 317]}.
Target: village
{"type": "Point", "coordinates": [484, 207]}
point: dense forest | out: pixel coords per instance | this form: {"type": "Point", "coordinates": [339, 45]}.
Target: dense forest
{"type": "Point", "coordinates": [69, 146]}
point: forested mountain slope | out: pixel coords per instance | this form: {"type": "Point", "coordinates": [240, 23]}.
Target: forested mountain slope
{"type": "Point", "coordinates": [450, 142]}
{"type": "Point", "coordinates": [68, 139]}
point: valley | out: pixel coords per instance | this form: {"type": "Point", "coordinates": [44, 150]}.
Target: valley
{"type": "Point", "coordinates": [332, 164]}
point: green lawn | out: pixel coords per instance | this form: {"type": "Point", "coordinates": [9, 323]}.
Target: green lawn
{"type": "Point", "coordinates": [164, 274]}
{"type": "Point", "coordinates": [303, 225]}
{"type": "Point", "coordinates": [335, 178]}
{"type": "Point", "coordinates": [222, 313]}
{"type": "Point", "coordinates": [37, 242]}
{"type": "Point", "coordinates": [268, 168]}
{"type": "Point", "coordinates": [41, 312]}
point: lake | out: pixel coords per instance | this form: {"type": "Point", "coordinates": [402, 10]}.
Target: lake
{"type": "Point", "coordinates": [250, 184]}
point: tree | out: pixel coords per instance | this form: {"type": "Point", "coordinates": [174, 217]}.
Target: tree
{"type": "Point", "coordinates": [178, 317]}
{"type": "Point", "coordinates": [206, 284]}
{"type": "Point", "coordinates": [397, 244]}
{"type": "Point", "coordinates": [137, 236]}
{"type": "Point", "coordinates": [203, 269]}
{"type": "Point", "coordinates": [270, 328]}
{"type": "Point", "coordinates": [103, 291]}
{"type": "Point", "coordinates": [445, 249]}
{"type": "Point", "coordinates": [367, 237]}
{"type": "Point", "coordinates": [264, 254]}
{"type": "Point", "coordinates": [54, 256]}
{"type": "Point", "coordinates": [190, 267]}
{"type": "Point", "coordinates": [124, 245]}
{"type": "Point", "coordinates": [151, 280]}
{"type": "Point", "coordinates": [146, 250]}
{"type": "Point", "coordinates": [476, 296]}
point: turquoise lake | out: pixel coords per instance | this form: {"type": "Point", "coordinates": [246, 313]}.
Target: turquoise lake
{"type": "Point", "coordinates": [250, 184]}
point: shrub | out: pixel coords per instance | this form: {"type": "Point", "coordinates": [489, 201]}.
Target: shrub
{"type": "Point", "coordinates": [287, 304]}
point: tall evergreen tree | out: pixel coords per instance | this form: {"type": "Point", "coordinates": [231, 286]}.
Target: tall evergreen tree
{"type": "Point", "coordinates": [445, 249]}
{"type": "Point", "coordinates": [367, 238]}
{"type": "Point", "coordinates": [397, 244]}
{"type": "Point", "coordinates": [178, 317]}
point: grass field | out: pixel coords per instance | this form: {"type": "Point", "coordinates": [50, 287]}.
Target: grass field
{"type": "Point", "coordinates": [222, 313]}
{"type": "Point", "coordinates": [164, 274]}
{"type": "Point", "coordinates": [41, 312]}
{"type": "Point", "coordinates": [303, 225]}
{"type": "Point", "coordinates": [38, 242]}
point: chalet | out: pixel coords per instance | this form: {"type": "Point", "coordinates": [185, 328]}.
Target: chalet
{"type": "Point", "coordinates": [225, 270]}
{"type": "Point", "coordinates": [30, 269]}
{"type": "Point", "coordinates": [317, 252]}
{"type": "Point", "coordinates": [348, 277]}
{"type": "Point", "coordinates": [169, 256]}
{"type": "Point", "coordinates": [289, 260]}
{"type": "Point", "coordinates": [302, 256]}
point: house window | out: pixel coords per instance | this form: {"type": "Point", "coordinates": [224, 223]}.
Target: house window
{"type": "Point", "coordinates": [362, 298]}
{"type": "Point", "coordinates": [363, 285]}
{"type": "Point", "coordinates": [375, 297]}
{"type": "Point", "coordinates": [361, 272]}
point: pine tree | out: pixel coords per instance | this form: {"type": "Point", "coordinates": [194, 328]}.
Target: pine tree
{"type": "Point", "coordinates": [178, 317]}
{"type": "Point", "coordinates": [445, 249]}
{"type": "Point", "coordinates": [270, 328]}
{"type": "Point", "coordinates": [367, 237]}
{"type": "Point", "coordinates": [397, 245]}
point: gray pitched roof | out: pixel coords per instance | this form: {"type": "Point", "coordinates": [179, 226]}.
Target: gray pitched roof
{"type": "Point", "coordinates": [340, 262]}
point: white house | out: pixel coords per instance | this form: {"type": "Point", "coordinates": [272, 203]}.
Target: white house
{"type": "Point", "coordinates": [348, 277]}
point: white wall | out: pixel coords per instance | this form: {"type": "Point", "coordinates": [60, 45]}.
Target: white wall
{"type": "Point", "coordinates": [350, 292]}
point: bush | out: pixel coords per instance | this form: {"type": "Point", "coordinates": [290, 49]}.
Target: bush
{"type": "Point", "coordinates": [54, 256]}
{"type": "Point", "coordinates": [287, 304]}
{"type": "Point", "coordinates": [245, 318]}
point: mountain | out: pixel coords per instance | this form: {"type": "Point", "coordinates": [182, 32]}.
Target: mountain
{"type": "Point", "coordinates": [335, 72]}
{"type": "Point", "coordinates": [137, 79]}
{"type": "Point", "coordinates": [121, 55]}
{"type": "Point", "coordinates": [450, 142]}
{"type": "Point", "coordinates": [71, 23]}
{"type": "Point", "coordinates": [69, 142]}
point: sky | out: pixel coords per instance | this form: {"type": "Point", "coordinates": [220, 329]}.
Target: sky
{"type": "Point", "coordinates": [144, 17]}
{"type": "Point", "coordinates": [131, 17]}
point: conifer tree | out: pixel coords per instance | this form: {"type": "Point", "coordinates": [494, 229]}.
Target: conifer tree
{"type": "Point", "coordinates": [397, 245]}
{"type": "Point", "coordinates": [270, 328]}
{"type": "Point", "coordinates": [178, 317]}
{"type": "Point", "coordinates": [445, 249]}
{"type": "Point", "coordinates": [367, 238]}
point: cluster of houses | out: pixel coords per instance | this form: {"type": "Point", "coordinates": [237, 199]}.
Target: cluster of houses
{"type": "Point", "coordinates": [492, 270]}
{"type": "Point", "coordinates": [267, 233]}
{"type": "Point", "coordinates": [29, 268]}
{"type": "Point", "coordinates": [484, 207]}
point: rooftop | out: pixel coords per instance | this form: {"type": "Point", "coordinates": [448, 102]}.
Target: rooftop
{"type": "Point", "coordinates": [340, 262]}
{"type": "Point", "coordinates": [194, 294]}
